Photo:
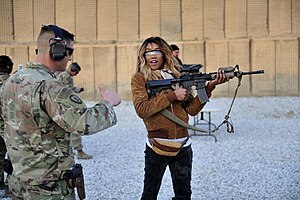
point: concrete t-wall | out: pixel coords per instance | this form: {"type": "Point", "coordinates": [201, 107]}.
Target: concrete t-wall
{"type": "Point", "coordinates": [255, 34]}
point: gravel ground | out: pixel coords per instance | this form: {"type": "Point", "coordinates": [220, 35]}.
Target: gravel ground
{"type": "Point", "coordinates": [261, 160]}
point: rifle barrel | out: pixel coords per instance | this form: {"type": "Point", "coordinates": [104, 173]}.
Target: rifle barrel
{"type": "Point", "coordinates": [253, 72]}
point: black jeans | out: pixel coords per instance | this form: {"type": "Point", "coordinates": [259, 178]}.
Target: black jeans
{"type": "Point", "coordinates": [180, 168]}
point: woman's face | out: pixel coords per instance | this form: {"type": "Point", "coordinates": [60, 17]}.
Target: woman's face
{"type": "Point", "coordinates": [154, 56]}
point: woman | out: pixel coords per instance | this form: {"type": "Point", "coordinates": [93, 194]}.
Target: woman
{"type": "Point", "coordinates": [167, 143]}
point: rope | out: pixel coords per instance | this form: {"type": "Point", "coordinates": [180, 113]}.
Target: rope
{"type": "Point", "coordinates": [226, 121]}
{"type": "Point", "coordinates": [177, 120]}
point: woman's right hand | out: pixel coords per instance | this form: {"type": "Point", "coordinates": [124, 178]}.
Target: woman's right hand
{"type": "Point", "coordinates": [182, 94]}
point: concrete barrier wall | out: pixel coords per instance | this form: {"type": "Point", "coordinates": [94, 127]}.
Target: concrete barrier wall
{"type": "Point", "coordinates": [255, 34]}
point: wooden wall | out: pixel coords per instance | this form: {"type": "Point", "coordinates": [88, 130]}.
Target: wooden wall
{"type": "Point", "coordinates": [256, 34]}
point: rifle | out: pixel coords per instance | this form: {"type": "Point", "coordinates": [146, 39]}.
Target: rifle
{"type": "Point", "coordinates": [191, 77]}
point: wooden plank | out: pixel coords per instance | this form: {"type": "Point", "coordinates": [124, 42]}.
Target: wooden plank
{"type": "Point", "coordinates": [149, 21]}
{"type": "Point", "coordinates": [280, 12]}
{"type": "Point", "coordinates": [236, 18]}
{"type": "Point", "coordinates": [107, 20]}
{"type": "Point", "coordinates": [296, 16]}
{"type": "Point", "coordinates": [105, 67]}
{"type": "Point", "coordinates": [43, 13]}
{"type": "Point", "coordinates": [126, 66]}
{"type": "Point", "coordinates": [287, 79]}
{"type": "Point", "coordinates": [23, 21]}
{"type": "Point", "coordinates": [257, 18]}
{"type": "Point", "coordinates": [216, 57]}
{"type": "Point", "coordinates": [31, 53]}
{"type": "Point", "coordinates": [263, 57]}
{"type": "Point", "coordinates": [6, 21]}
{"type": "Point", "coordinates": [86, 77]}
{"type": "Point", "coordinates": [170, 19]}
{"type": "Point", "coordinates": [239, 55]}
{"type": "Point", "coordinates": [192, 19]}
{"type": "Point", "coordinates": [65, 14]}
{"type": "Point", "coordinates": [193, 53]}
{"type": "Point", "coordinates": [214, 19]}
{"type": "Point", "coordinates": [2, 50]}
{"type": "Point", "coordinates": [128, 20]}
{"type": "Point", "coordinates": [85, 20]}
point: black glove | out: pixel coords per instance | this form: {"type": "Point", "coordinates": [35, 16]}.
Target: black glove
{"type": "Point", "coordinates": [80, 90]}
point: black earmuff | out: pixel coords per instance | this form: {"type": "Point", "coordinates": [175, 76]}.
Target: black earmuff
{"type": "Point", "coordinates": [58, 49]}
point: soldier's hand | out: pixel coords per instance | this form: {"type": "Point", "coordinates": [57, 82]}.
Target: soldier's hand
{"type": "Point", "coordinates": [109, 95]}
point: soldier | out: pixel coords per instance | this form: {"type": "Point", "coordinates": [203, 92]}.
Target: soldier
{"type": "Point", "coordinates": [175, 52]}
{"type": "Point", "coordinates": [6, 66]}
{"type": "Point", "coordinates": [66, 77]}
{"type": "Point", "coordinates": [40, 112]}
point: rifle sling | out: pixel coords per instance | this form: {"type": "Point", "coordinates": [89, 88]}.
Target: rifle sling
{"type": "Point", "coordinates": [177, 120]}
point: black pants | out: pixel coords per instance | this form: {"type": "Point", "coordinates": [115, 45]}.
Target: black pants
{"type": "Point", "coordinates": [181, 171]}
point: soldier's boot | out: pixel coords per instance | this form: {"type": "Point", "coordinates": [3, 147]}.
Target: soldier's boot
{"type": "Point", "coordinates": [6, 191]}
{"type": "Point", "coordinates": [2, 185]}
{"type": "Point", "coordinates": [82, 155]}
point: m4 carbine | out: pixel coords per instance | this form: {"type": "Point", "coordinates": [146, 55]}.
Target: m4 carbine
{"type": "Point", "coordinates": [191, 77]}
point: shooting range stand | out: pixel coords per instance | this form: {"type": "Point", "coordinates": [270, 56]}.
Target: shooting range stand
{"type": "Point", "coordinates": [201, 118]}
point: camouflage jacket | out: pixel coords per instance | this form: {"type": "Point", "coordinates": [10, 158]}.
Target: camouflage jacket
{"type": "Point", "coordinates": [40, 113]}
{"type": "Point", "coordinates": [67, 80]}
{"type": "Point", "coordinates": [3, 77]}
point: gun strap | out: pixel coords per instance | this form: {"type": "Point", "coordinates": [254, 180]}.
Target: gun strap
{"type": "Point", "coordinates": [230, 128]}
{"type": "Point", "coordinates": [177, 120]}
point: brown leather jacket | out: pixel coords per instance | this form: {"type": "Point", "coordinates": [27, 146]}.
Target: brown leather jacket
{"type": "Point", "coordinates": [149, 109]}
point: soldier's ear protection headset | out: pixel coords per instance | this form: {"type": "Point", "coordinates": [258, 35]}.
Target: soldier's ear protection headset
{"type": "Point", "coordinates": [58, 47]}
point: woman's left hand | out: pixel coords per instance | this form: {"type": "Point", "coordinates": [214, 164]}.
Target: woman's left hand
{"type": "Point", "coordinates": [221, 78]}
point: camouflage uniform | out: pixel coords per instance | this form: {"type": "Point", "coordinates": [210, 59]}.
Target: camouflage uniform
{"type": "Point", "coordinates": [40, 113]}
{"type": "Point", "coordinates": [67, 80]}
{"type": "Point", "coordinates": [3, 77]}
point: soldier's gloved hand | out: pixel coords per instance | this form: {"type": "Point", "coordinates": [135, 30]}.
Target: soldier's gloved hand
{"type": "Point", "coordinates": [109, 95]}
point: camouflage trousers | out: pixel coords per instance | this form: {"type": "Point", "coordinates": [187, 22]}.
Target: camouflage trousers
{"type": "Point", "coordinates": [2, 157]}
{"type": "Point", "coordinates": [22, 191]}
{"type": "Point", "coordinates": [76, 141]}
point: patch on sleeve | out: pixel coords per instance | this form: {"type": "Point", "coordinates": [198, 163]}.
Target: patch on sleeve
{"type": "Point", "coordinates": [75, 98]}
{"type": "Point", "coordinates": [65, 92]}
